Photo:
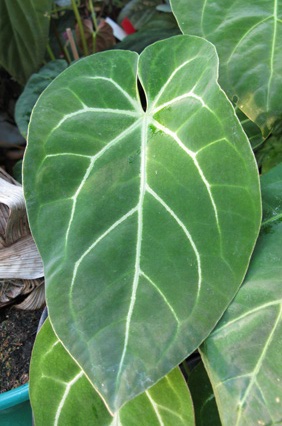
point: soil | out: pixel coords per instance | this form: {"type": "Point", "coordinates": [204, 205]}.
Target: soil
{"type": "Point", "coordinates": [17, 333]}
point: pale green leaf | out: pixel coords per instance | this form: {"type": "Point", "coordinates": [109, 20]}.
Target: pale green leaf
{"type": "Point", "coordinates": [69, 399]}
{"type": "Point", "coordinates": [248, 36]}
{"type": "Point", "coordinates": [24, 27]}
{"type": "Point", "coordinates": [243, 354]}
{"type": "Point", "coordinates": [145, 220]}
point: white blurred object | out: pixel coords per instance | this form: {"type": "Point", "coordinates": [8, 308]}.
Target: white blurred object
{"type": "Point", "coordinates": [63, 3]}
{"type": "Point", "coordinates": [118, 32]}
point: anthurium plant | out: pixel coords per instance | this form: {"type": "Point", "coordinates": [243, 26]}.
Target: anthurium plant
{"type": "Point", "coordinates": [144, 200]}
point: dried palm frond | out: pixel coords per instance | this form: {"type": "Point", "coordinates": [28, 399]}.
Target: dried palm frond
{"type": "Point", "coordinates": [21, 268]}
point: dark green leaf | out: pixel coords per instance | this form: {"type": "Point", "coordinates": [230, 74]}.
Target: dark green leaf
{"type": "Point", "coordinates": [269, 154]}
{"type": "Point", "coordinates": [24, 26]}
{"type": "Point", "coordinates": [33, 89]}
{"type": "Point", "coordinates": [206, 412]}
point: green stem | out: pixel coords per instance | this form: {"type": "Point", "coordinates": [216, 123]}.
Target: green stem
{"type": "Point", "coordinates": [94, 42]}
{"type": "Point", "coordinates": [93, 15]}
{"type": "Point", "coordinates": [80, 26]}
{"type": "Point", "coordinates": [50, 52]}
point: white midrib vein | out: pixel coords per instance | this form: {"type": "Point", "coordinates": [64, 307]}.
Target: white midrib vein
{"type": "Point", "coordinates": [138, 244]}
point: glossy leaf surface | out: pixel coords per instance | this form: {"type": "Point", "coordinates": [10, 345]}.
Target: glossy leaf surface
{"type": "Point", "coordinates": [243, 354]}
{"type": "Point", "coordinates": [143, 219]}
{"type": "Point", "coordinates": [69, 398]}
{"type": "Point", "coordinates": [24, 27]}
{"type": "Point", "coordinates": [248, 36]}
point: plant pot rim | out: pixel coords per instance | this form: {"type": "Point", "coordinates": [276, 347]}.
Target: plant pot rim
{"type": "Point", "coordinates": [13, 397]}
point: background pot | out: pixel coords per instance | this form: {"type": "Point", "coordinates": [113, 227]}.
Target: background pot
{"type": "Point", "coordinates": [15, 409]}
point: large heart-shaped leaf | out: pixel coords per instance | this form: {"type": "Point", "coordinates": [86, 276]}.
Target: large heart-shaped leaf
{"type": "Point", "coordinates": [24, 27]}
{"type": "Point", "coordinates": [243, 354]}
{"type": "Point", "coordinates": [145, 220]}
{"type": "Point", "coordinates": [69, 399]}
{"type": "Point", "coordinates": [248, 36]}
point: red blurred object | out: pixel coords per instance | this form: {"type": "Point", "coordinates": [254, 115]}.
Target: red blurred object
{"type": "Point", "coordinates": [127, 26]}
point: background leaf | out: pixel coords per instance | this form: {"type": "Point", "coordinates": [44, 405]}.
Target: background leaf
{"type": "Point", "coordinates": [139, 12]}
{"type": "Point", "coordinates": [252, 130]}
{"type": "Point", "coordinates": [247, 36]}
{"type": "Point", "coordinates": [206, 412]}
{"type": "Point", "coordinates": [24, 26]}
{"type": "Point", "coordinates": [243, 354]}
{"type": "Point", "coordinates": [34, 87]}
{"type": "Point", "coordinates": [69, 398]}
{"type": "Point", "coordinates": [159, 27]}
{"type": "Point", "coordinates": [269, 153]}
{"type": "Point", "coordinates": [141, 218]}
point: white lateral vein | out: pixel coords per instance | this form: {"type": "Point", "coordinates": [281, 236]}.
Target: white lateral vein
{"type": "Point", "coordinates": [90, 168]}
{"type": "Point", "coordinates": [133, 101]}
{"type": "Point", "coordinates": [168, 82]}
{"type": "Point", "coordinates": [246, 314]}
{"type": "Point", "coordinates": [186, 232]}
{"type": "Point", "coordinates": [97, 110]}
{"type": "Point", "coordinates": [76, 97]}
{"type": "Point", "coordinates": [156, 409]}
{"type": "Point", "coordinates": [63, 400]}
{"type": "Point", "coordinates": [214, 143]}
{"type": "Point", "coordinates": [192, 154]}
{"type": "Point", "coordinates": [96, 242]}
{"type": "Point", "coordinates": [162, 295]}
{"type": "Point", "coordinates": [244, 36]}
{"type": "Point", "coordinates": [190, 94]}
{"type": "Point", "coordinates": [64, 154]}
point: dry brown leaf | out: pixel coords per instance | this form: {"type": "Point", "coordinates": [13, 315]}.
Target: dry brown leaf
{"type": "Point", "coordinates": [104, 37]}
{"type": "Point", "coordinates": [20, 262]}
